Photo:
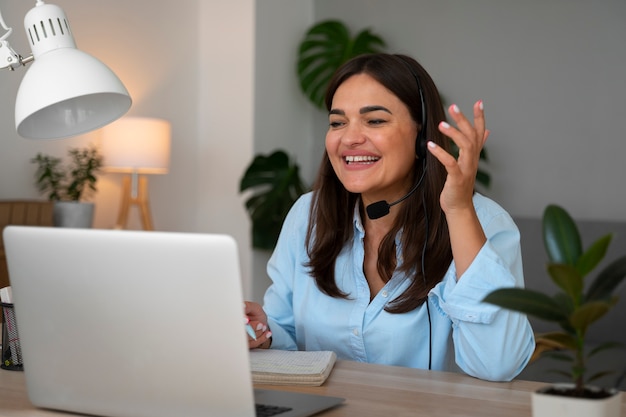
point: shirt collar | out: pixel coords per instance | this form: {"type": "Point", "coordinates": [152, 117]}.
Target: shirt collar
{"type": "Point", "coordinates": [359, 229]}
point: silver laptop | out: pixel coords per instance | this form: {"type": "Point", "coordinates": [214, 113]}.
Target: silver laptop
{"type": "Point", "coordinates": [136, 324]}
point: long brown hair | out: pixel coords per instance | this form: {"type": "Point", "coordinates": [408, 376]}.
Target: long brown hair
{"type": "Point", "coordinates": [331, 213]}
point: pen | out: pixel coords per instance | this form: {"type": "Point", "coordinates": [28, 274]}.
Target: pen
{"type": "Point", "coordinates": [250, 331]}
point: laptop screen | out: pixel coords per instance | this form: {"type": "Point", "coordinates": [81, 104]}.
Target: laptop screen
{"type": "Point", "coordinates": [130, 323]}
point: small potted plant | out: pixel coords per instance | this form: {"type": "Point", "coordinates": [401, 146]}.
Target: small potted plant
{"type": "Point", "coordinates": [69, 186]}
{"type": "Point", "coordinates": [575, 307]}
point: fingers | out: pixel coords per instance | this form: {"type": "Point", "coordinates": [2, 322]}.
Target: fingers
{"type": "Point", "coordinates": [263, 334]}
{"type": "Point", "coordinates": [261, 342]}
{"type": "Point", "coordinates": [256, 318]}
{"type": "Point", "coordinates": [467, 135]}
{"type": "Point", "coordinates": [444, 157]}
{"type": "Point", "coordinates": [479, 119]}
{"type": "Point", "coordinates": [249, 307]}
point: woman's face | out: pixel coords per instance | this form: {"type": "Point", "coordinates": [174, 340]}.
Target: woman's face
{"type": "Point", "coordinates": [371, 140]}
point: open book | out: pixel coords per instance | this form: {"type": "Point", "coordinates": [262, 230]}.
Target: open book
{"type": "Point", "coordinates": [287, 367]}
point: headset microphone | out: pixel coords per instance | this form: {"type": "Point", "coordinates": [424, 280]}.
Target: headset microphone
{"type": "Point", "coordinates": [381, 208]}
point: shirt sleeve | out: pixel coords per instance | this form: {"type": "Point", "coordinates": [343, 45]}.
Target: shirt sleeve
{"type": "Point", "coordinates": [283, 268]}
{"type": "Point", "coordinates": [489, 342]}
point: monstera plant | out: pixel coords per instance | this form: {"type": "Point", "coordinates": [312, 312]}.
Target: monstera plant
{"type": "Point", "coordinates": [276, 184]}
{"type": "Point", "coordinates": [325, 47]}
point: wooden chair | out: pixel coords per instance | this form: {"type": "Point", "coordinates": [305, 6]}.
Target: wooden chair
{"type": "Point", "coordinates": [21, 212]}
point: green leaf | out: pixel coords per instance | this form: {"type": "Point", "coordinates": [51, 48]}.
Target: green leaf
{"type": "Point", "coordinates": [325, 47]}
{"type": "Point", "coordinates": [484, 155]}
{"type": "Point", "coordinates": [598, 375]}
{"type": "Point", "coordinates": [605, 346]}
{"type": "Point", "coordinates": [563, 357]}
{"type": "Point", "coordinates": [588, 313]}
{"type": "Point", "coordinates": [527, 301]}
{"type": "Point", "coordinates": [568, 279]}
{"type": "Point", "coordinates": [366, 42]}
{"type": "Point", "coordinates": [565, 302]}
{"type": "Point", "coordinates": [592, 256]}
{"type": "Point", "coordinates": [564, 339]}
{"type": "Point", "coordinates": [483, 177]}
{"type": "Point", "coordinates": [561, 237]}
{"type": "Point", "coordinates": [607, 280]}
{"type": "Point", "coordinates": [275, 184]}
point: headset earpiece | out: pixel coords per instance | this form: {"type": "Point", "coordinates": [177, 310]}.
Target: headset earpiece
{"type": "Point", "coordinates": [420, 145]}
{"type": "Point", "coordinates": [420, 141]}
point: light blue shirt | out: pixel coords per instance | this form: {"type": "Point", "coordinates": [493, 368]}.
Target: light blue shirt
{"type": "Point", "coordinates": [478, 338]}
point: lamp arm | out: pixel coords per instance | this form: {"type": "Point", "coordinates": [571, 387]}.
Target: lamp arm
{"type": "Point", "coordinates": [5, 27]}
{"type": "Point", "coordinates": [8, 57]}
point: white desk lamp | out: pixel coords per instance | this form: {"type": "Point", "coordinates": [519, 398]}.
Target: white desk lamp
{"type": "Point", "coordinates": [65, 92]}
{"type": "Point", "coordinates": [137, 146]}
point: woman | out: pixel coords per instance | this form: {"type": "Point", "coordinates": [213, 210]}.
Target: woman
{"type": "Point", "coordinates": [396, 283]}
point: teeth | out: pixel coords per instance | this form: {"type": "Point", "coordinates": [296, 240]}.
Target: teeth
{"type": "Point", "coordinates": [361, 158]}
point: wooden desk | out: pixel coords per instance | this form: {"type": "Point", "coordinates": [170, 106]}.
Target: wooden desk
{"type": "Point", "coordinates": [370, 390]}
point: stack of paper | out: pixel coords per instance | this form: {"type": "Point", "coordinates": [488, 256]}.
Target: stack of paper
{"type": "Point", "coordinates": [5, 295]}
{"type": "Point", "coordinates": [286, 367]}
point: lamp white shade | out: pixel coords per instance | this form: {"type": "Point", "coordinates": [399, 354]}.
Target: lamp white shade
{"type": "Point", "coordinates": [65, 92]}
{"type": "Point", "coordinates": [137, 144]}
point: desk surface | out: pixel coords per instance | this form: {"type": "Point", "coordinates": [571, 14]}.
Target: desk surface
{"type": "Point", "coordinates": [370, 390]}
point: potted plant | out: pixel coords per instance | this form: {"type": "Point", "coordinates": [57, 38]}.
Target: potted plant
{"type": "Point", "coordinates": [276, 184]}
{"type": "Point", "coordinates": [69, 186]}
{"type": "Point", "coordinates": [574, 308]}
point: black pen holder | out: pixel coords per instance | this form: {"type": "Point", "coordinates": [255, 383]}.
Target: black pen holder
{"type": "Point", "coordinates": [11, 348]}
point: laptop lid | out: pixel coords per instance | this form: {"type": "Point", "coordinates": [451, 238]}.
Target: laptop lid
{"type": "Point", "coordinates": [136, 324]}
{"type": "Point", "coordinates": [129, 323]}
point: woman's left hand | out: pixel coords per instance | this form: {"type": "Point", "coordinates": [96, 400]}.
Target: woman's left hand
{"type": "Point", "coordinates": [459, 187]}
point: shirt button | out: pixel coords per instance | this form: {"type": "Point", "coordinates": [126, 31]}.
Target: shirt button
{"type": "Point", "coordinates": [355, 332]}
{"type": "Point", "coordinates": [384, 293]}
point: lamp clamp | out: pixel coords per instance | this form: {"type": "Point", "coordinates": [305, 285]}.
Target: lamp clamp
{"type": "Point", "coordinates": [10, 59]}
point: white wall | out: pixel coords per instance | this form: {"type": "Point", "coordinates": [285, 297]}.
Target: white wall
{"type": "Point", "coordinates": [189, 61]}
{"type": "Point", "coordinates": [282, 114]}
{"type": "Point", "coordinates": [550, 72]}
{"type": "Point", "coordinates": [225, 120]}
{"type": "Point", "coordinates": [552, 75]}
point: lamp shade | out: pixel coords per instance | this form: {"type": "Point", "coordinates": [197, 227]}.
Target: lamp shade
{"type": "Point", "coordinates": [137, 144]}
{"type": "Point", "coordinates": [65, 92]}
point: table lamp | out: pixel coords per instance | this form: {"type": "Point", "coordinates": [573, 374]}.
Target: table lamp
{"type": "Point", "coordinates": [137, 146]}
{"type": "Point", "coordinates": [65, 92]}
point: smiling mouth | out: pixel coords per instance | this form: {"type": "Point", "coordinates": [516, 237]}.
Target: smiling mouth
{"type": "Point", "coordinates": [361, 159]}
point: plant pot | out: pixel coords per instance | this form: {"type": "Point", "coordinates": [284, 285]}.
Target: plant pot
{"type": "Point", "coordinates": [550, 405]}
{"type": "Point", "coordinates": [73, 214]}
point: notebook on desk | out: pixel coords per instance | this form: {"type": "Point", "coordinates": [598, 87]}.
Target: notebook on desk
{"type": "Point", "coordinates": [132, 323]}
